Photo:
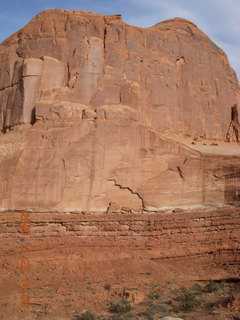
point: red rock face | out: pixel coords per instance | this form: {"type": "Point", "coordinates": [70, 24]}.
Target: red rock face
{"type": "Point", "coordinates": [101, 117]}
{"type": "Point", "coordinates": [172, 75]}
{"type": "Point", "coordinates": [111, 107]}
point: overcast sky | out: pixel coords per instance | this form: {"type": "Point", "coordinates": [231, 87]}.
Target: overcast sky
{"type": "Point", "coordinates": [220, 19]}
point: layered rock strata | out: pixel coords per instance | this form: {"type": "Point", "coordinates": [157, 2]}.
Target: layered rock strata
{"type": "Point", "coordinates": [68, 254]}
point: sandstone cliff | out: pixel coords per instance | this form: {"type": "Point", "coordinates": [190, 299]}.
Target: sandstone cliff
{"type": "Point", "coordinates": [101, 117]}
{"type": "Point", "coordinates": [91, 101]}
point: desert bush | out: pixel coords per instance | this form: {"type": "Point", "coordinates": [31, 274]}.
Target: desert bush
{"type": "Point", "coordinates": [212, 286]}
{"type": "Point", "coordinates": [197, 289]}
{"type": "Point", "coordinates": [122, 306]}
{"type": "Point", "coordinates": [187, 300]}
{"type": "Point", "coordinates": [220, 302]}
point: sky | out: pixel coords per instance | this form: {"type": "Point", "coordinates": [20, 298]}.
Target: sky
{"type": "Point", "coordinates": [219, 19]}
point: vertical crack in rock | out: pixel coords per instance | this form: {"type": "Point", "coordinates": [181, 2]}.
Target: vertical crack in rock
{"type": "Point", "coordinates": [55, 32]}
{"type": "Point", "coordinates": [68, 74]}
{"type": "Point", "coordinates": [129, 189]}
{"type": "Point", "coordinates": [108, 208]}
{"type": "Point", "coordinates": [180, 172]}
{"type": "Point", "coordinates": [177, 37]}
{"type": "Point", "coordinates": [185, 160]}
{"type": "Point", "coordinates": [41, 27]}
{"type": "Point", "coordinates": [216, 87]}
{"type": "Point", "coordinates": [66, 23]}
{"type": "Point", "coordinates": [104, 37]}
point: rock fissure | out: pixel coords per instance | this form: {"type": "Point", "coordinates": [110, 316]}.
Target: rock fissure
{"type": "Point", "coordinates": [129, 189]}
{"type": "Point", "coordinates": [180, 173]}
{"type": "Point", "coordinates": [104, 39]}
{"type": "Point", "coordinates": [11, 86]}
{"type": "Point", "coordinates": [108, 208]}
{"type": "Point", "coordinates": [55, 31]}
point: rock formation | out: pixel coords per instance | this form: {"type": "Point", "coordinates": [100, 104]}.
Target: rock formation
{"type": "Point", "coordinates": [89, 100]}
{"type": "Point", "coordinates": [108, 133]}
{"type": "Point", "coordinates": [101, 96]}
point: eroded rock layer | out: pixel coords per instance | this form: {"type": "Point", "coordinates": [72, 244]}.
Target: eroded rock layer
{"type": "Point", "coordinates": [69, 254]}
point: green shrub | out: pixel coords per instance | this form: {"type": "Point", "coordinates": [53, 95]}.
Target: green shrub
{"type": "Point", "coordinates": [197, 289]}
{"type": "Point", "coordinates": [188, 301]}
{"type": "Point", "coordinates": [212, 286]}
{"type": "Point", "coordinates": [122, 306]}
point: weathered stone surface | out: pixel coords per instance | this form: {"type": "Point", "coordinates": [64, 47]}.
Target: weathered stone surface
{"type": "Point", "coordinates": [114, 110]}
{"type": "Point", "coordinates": [70, 162]}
